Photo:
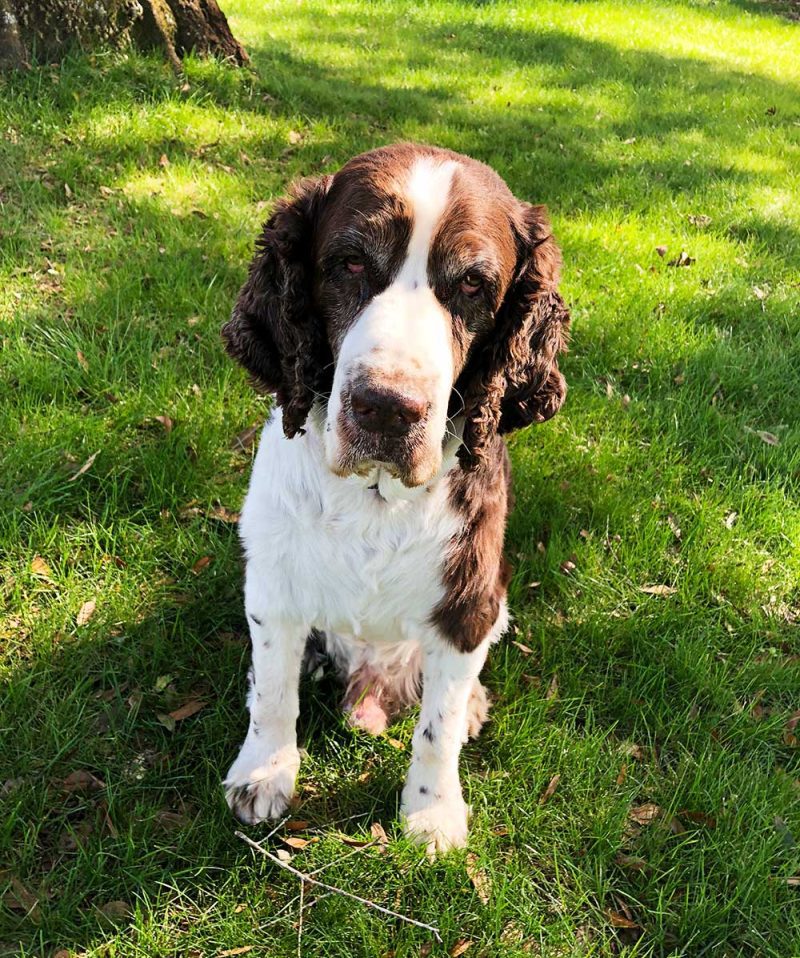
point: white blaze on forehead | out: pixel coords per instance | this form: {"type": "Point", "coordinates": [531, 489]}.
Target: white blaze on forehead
{"type": "Point", "coordinates": [428, 192]}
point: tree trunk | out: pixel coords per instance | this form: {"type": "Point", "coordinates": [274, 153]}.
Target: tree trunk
{"type": "Point", "coordinates": [45, 29]}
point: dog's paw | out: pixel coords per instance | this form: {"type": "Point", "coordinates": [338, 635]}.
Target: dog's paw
{"type": "Point", "coordinates": [260, 788]}
{"type": "Point", "coordinates": [440, 824]}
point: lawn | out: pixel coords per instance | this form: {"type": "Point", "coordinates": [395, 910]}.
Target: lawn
{"type": "Point", "coordinates": [654, 661]}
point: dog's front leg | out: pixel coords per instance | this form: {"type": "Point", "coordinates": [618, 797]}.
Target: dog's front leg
{"type": "Point", "coordinates": [260, 783]}
{"type": "Point", "coordinates": [433, 807]}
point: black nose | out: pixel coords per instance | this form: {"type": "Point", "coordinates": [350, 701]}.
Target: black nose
{"type": "Point", "coordinates": [386, 412]}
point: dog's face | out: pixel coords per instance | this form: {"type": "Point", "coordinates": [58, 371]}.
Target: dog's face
{"type": "Point", "coordinates": [415, 298]}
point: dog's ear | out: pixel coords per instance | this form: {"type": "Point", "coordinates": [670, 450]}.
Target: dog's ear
{"type": "Point", "coordinates": [273, 331]}
{"type": "Point", "coordinates": [515, 379]}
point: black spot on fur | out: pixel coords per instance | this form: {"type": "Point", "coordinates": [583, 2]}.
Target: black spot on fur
{"type": "Point", "coordinates": [253, 618]}
{"type": "Point", "coordinates": [423, 790]}
{"type": "Point", "coordinates": [427, 734]}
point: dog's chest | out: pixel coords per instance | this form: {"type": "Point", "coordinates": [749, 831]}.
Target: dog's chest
{"type": "Point", "coordinates": [337, 555]}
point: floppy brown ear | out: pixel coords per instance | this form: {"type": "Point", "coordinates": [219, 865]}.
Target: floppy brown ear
{"type": "Point", "coordinates": [273, 331]}
{"type": "Point", "coordinates": [517, 379]}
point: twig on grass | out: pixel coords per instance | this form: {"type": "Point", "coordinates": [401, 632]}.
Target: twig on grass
{"type": "Point", "coordinates": [332, 888]}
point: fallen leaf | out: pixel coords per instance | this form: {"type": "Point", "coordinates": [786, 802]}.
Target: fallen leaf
{"type": "Point", "coordinates": [637, 752]}
{"type": "Point", "coordinates": [223, 514]}
{"type": "Point", "coordinates": [674, 527]}
{"type": "Point", "coordinates": [790, 737]}
{"type": "Point", "coordinates": [298, 843]}
{"type": "Point", "coordinates": [163, 161]}
{"type": "Point", "coordinates": [162, 682]}
{"type": "Point", "coordinates": [630, 861]}
{"type": "Point", "coordinates": [245, 439]}
{"type": "Point", "coordinates": [166, 422]}
{"type": "Point", "coordinates": [116, 911]}
{"type": "Point", "coordinates": [550, 790]}
{"type": "Point", "coordinates": [568, 567]}
{"type": "Point", "coordinates": [190, 708]}
{"type": "Point", "coordinates": [768, 437]}
{"type": "Point", "coordinates": [396, 743]}
{"type": "Point", "coordinates": [644, 814]}
{"type": "Point", "coordinates": [283, 855]}
{"type": "Point", "coordinates": [794, 881]}
{"type": "Point", "coordinates": [480, 880]}
{"type": "Point", "coordinates": [378, 832]}
{"type": "Point", "coordinates": [661, 250]}
{"type": "Point", "coordinates": [684, 259]}
{"type": "Point", "coordinates": [170, 820]}
{"type": "Point", "coordinates": [351, 841]}
{"type": "Point", "coordinates": [201, 564]}
{"type": "Point", "coordinates": [464, 944]}
{"type": "Point", "coordinates": [623, 774]}
{"type": "Point", "coordinates": [297, 825]}
{"type": "Point", "coordinates": [85, 467]}
{"type": "Point", "coordinates": [295, 137]}
{"type": "Point", "coordinates": [730, 518]}
{"type": "Point", "coordinates": [618, 920]}
{"type": "Point", "coordinates": [522, 647]}
{"type": "Point", "coordinates": [700, 220]}
{"type": "Point", "coordinates": [552, 689]}
{"type": "Point", "coordinates": [85, 612]}
{"type": "Point", "coordinates": [82, 780]}
{"type": "Point", "coordinates": [660, 590]}
{"type": "Point", "coordinates": [84, 363]}
{"type": "Point", "coordinates": [20, 898]}
{"type": "Point", "coordinates": [699, 818]}
{"type": "Point", "coordinates": [236, 951]}
{"type": "Point", "coordinates": [41, 568]}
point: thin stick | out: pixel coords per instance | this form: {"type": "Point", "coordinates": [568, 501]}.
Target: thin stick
{"type": "Point", "coordinates": [339, 891]}
{"type": "Point", "coordinates": [300, 920]}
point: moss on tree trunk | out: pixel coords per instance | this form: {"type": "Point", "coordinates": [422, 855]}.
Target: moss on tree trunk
{"type": "Point", "coordinates": [45, 29]}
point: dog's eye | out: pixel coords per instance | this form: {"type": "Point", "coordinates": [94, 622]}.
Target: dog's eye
{"type": "Point", "coordinates": [471, 284]}
{"type": "Point", "coordinates": [354, 264]}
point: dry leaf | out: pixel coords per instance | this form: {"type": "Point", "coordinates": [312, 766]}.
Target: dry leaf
{"type": "Point", "coordinates": [644, 814]}
{"type": "Point", "coordinates": [550, 790]}
{"type": "Point", "coordinates": [769, 438]}
{"type": "Point", "coordinates": [295, 137]}
{"type": "Point", "coordinates": [86, 611]}
{"type": "Point", "coordinates": [235, 951]}
{"type": "Point", "coordinates": [116, 911]}
{"type": "Point", "coordinates": [568, 567]}
{"type": "Point", "coordinates": [699, 818]}
{"type": "Point", "coordinates": [730, 519]}
{"type": "Point", "coordinates": [794, 881]}
{"type": "Point", "coordinates": [523, 648]}
{"type": "Point", "coordinates": [163, 160]}
{"type": "Point", "coordinates": [223, 514]}
{"type": "Point", "coordinates": [630, 861]}
{"type": "Point", "coordinates": [41, 568]}
{"type": "Point", "coordinates": [462, 945]}
{"type": "Point", "coordinates": [396, 743]}
{"type": "Point", "coordinates": [378, 832]}
{"type": "Point", "coordinates": [297, 825]}
{"type": "Point", "coordinates": [480, 880]}
{"type": "Point", "coordinates": [85, 467]}
{"type": "Point", "coordinates": [618, 920]}
{"type": "Point", "coordinates": [245, 439]}
{"type": "Point", "coordinates": [166, 422]}
{"type": "Point", "coordinates": [552, 689]}
{"type": "Point", "coordinates": [298, 843]}
{"type": "Point", "coordinates": [660, 590]}
{"type": "Point", "coordinates": [190, 708]}
{"type": "Point", "coordinates": [82, 360]}
{"type": "Point", "coordinates": [351, 841]}
{"type": "Point", "coordinates": [623, 774]}
{"type": "Point", "coordinates": [700, 220]}
{"type": "Point", "coordinates": [201, 564]}
{"type": "Point", "coordinates": [790, 737]}
{"type": "Point", "coordinates": [661, 250]}
{"type": "Point", "coordinates": [82, 780]}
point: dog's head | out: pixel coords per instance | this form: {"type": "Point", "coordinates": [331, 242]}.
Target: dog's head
{"type": "Point", "coordinates": [413, 298]}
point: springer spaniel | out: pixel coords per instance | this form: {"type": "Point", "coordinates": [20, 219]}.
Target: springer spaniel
{"type": "Point", "coordinates": [405, 313]}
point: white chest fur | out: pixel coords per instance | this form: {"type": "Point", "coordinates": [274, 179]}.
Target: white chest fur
{"type": "Point", "coordinates": [337, 555]}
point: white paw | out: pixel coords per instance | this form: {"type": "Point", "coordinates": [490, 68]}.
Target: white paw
{"type": "Point", "coordinates": [435, 821]}
{"type": "Point", "coordinates": [259, 786]}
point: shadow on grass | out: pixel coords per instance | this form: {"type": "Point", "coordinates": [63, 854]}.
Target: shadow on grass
{"type": "Point", "coordinates": [201, 641]}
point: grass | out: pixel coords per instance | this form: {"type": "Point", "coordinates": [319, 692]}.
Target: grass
{"type": "Point", "coordinates": [129, 205]}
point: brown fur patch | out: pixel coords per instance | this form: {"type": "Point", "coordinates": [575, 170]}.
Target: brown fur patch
{"type": "Point", "coordinates": [476, 573]}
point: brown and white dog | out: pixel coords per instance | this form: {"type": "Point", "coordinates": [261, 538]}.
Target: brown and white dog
{"type": "Point", "coordinates": [405, 313]}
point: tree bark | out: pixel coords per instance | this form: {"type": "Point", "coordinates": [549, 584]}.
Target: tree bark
{"type": "Point", "coordinates": [46, 29]}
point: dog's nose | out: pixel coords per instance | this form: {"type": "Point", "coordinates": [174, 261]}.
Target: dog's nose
{"type": "Point", "coordinates": [385, 412]}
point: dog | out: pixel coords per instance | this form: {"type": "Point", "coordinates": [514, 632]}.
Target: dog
{"type": "Point", "coordinates": [405, 313]}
